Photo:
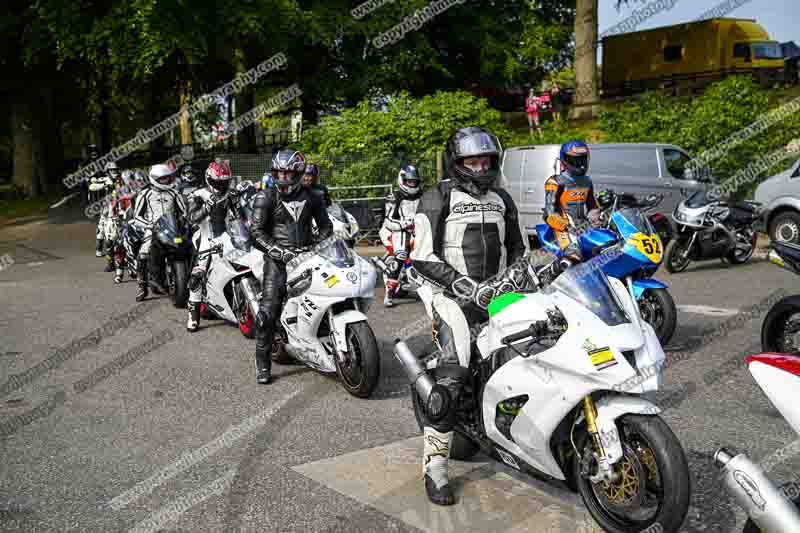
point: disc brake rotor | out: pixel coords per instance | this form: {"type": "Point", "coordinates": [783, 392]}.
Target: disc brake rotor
{"type": "Point", "coordinates": [628, 491]}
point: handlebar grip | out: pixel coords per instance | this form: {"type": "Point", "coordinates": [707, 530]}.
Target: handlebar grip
{"type": "Point", "coordinates": [534, 330]}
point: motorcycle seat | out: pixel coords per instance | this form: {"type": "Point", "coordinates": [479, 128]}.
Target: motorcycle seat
{"type": "Point", "coordinates": [752, 207]}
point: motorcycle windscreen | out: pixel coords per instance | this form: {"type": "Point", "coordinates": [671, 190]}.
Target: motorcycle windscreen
{"type": "Point", "coordinates": [588, 285]}
{"type": "Point", "coordinates": [336, 211]}
{"type": "Point", "coordinates": [239, 235]}
{"type": "Point", "coordinates": [337, 252]}
{"type": "Point", "coordinates": [631, 221]}
{"type": "Point", "coordinates": [166, 229]}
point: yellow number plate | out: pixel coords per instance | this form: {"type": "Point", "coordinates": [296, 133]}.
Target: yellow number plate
{"type": "Point", "coordinates": [648, 245]}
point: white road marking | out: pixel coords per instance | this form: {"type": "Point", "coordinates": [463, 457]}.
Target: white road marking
{"type": "Point", "coordinates": [199, 455]}
{"type": "Point", "coordinates": [34, 264]}
{"type": "Point", "coordinates": [490, 496]}
{"type": "Point", "coordinates": [707, 310]}
{"type": "Point", "coordinates": [175, 509]}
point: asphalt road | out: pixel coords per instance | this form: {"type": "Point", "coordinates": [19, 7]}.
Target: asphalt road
{"type": "Point", "coordinates": [146, 427]}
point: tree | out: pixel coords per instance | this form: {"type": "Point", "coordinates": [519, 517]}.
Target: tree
{"type": "Point", "coordinates": [586, 58]}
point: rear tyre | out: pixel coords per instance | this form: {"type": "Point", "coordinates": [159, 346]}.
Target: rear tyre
{"type": "Point", "coordinates": [742, 255]}
{"type": "Point", "coordinates": [658, 310]}
{"type": "Point", "coordinates": [360, 370]}
{"type": "Point", "coordinates": [654, 479]}
{"type": "Point", "coordinates": [674, 259]}
{"type": "Point", "coordinates": [181, 295]}
{"type": "Point", "coordinates": [780, 332]}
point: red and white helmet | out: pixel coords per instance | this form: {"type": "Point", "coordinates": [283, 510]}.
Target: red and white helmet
{"type": "Point", "coordinates": [218, 177]}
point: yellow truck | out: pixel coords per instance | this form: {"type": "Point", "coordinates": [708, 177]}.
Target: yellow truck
{"type": "Point", "coordinates": [687, 57]}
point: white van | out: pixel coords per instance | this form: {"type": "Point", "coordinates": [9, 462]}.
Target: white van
{"type": "Point", "coordinates": [639, 169]}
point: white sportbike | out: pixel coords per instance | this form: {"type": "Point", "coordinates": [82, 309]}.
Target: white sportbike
{"type": "Point", "coordinates": [557, 376]}
{"type": "Point", "coordinates": [324, 323]}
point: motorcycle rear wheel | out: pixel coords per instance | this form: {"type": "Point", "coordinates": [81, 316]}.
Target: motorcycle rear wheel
{"type": "Point", "coordinates": [779, 327]}
{"type": "Point", "coordinates": [360, 372]}
{"type": "Point", "coordinates": [737, 259]}
{"type": "Point", "coordinates": [653, 470]}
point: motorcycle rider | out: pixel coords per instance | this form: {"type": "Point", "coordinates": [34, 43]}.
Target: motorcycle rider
{"type": "Point", "coordinates": [281, 228]}
{"type": "Point", "coordinates": [138, 183]}
{"type": "Point", "coordinates": [189, 182]}
{"type": "Point", "coordinates": [209, 208]}
{"type": "Point", "coordinates": [100, 187]}
{"type": "Point", "coordinates": [570, 193]}
{"type": "Point", "coordinates": [311, 180]}
{"type": "Point", "coordinates": [159, 198]}
{"type": "Point", "coordinates": [120, 204]}
{"type": "Point", "coordinates": [467, 231]}
{"type": "Point", "coordinates": [400, 208]}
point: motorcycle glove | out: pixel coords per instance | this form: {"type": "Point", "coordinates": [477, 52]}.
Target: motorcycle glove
{"type": "Point", "coordinates": [468, 289]}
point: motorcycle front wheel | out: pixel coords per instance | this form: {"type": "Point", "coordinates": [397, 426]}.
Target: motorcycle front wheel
{"type": "Point", "coordinates": [658, 310]}
{"type": "Point", "coordinates": [360, 368]}
{"type": "Point", "coordinates": [180, 275]}
{"type": "Point", "coordinates": [676, 258]}
{"type": "Point", "coordinates": [653, 485]}
{"type": "Point", "coordinates": [780, 332]}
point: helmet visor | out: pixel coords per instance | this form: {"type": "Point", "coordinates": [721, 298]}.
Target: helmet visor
{"type": "Point", "coordinates": [286, 179]}
{"type": "Point", "coordinates": [578, 163]}
{"type": "Point", "coordinates": [167, 179]}
{"type": "Point", "coordinates": [220, 185]}
{"type": "Point", "coordinates": [477, 144]}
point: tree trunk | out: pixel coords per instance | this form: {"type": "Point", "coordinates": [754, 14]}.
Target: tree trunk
{"type": "Point", "coordinates": [310, 109]}
{"type": "Point", "coordinates": [22, 131]}
{"type": "Point", "coordinates": [585, 58]}
{"type": "Point", "coordinates": [186, 123]}
{"type": "Point", "coordinates": [246, 137]}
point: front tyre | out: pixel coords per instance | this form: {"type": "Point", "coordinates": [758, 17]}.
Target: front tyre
{"type": "Point", "coordinates": [359, 368]}
{"type": "Point", "coordinates": [181, 276]}
{"type": "Point", "coordinates": [658, 310]}
{"type": "Point", "coordinates": [653, 487]}
{"type": "Point", "coordinates": [677, 257]}
{"type": "Point", "coordinates": [780, 332]}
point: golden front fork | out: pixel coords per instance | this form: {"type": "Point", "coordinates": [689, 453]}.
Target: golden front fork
{"type": "Point", "coordinates": [590, 412]}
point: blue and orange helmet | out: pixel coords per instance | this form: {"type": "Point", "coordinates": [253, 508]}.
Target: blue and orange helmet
{"type": "Point", "coordinates": [574, 157]}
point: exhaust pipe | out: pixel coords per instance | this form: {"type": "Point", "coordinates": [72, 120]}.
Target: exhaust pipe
{"type": "Point", "coordinates": [434, 397]}
{"type": "Point", "coordinates": [766, 504]}
{"type": "Point", "coordinates": [250, 295]}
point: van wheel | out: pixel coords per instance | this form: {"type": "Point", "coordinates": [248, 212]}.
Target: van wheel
{"type": "Point", "coordinates": [785, 227]}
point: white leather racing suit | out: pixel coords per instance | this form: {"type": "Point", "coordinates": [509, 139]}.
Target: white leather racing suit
{"type": "Point", "coordinates": [397, 231]}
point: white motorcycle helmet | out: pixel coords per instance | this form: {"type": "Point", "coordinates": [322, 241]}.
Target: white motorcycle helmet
{"type": "Point", "coordinates": [162, 177]}
{"type": "Point", "coordinates": [408, 180]}
{"type": "Point", "coordinates": [113, 170]}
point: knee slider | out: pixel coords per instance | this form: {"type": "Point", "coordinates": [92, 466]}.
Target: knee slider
{"type": "Point", "coordinates": [263, 318]}
{"type": "Point", "coordinates": [401, 255]}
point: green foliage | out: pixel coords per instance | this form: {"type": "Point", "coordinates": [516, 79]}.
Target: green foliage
{"type": "Point", "coordinates": [703, 123]}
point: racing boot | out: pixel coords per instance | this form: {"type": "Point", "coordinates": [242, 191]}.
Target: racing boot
{"type": "Point", "coordinates": [193, 324]}
{"type": "Point", "coordinates": [141, 278]}
{"type": "Point", "coordinates": [436, 453]}
{"type": "Point", "coordinates": [157, 279]}
{"type": "Point", "coordinates": [99, 248]}
{"type": "Point", "coordinates": [391, 287]}
{"type": "Point", "coordinates": [263, 367]}
{"type": "Point", "coordinates": [119, 274]}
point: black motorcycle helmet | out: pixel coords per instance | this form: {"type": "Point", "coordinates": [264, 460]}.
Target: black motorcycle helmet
{"type": "Point", "coordinates": [92, 152]}
{"type": "Point", "coordinates": [288, 167]}
{"type": "Point", "coordinates": [468, 143]}
{"type": "Point", "coordinates": [188, 175]}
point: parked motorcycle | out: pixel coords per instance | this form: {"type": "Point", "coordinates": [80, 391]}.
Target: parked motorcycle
{"type": "Point", "coordinates": [174, 240]}
{"type": "Point", "coordinates": [769, 508]}
{"type": "Point", "coordinates": [709, 228]}
{"type": "Point", "coordinates": [323, 323]}
{"type": "Point", "coordinates": [542, 397]}
{"type": "Point", "coordinates": [639, 256]}
{"type": "Point", "coordinates": [780, 331]}
{"type": "Point", "coordinates": [230, 290]}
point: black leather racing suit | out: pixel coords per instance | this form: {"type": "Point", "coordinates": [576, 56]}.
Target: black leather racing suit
{"type": "Point", "coordinates": [323, 191]}
{"type": "Point", "coordinates": [281, 225]}
{"type": "Point", "coordinates": [456, 235]}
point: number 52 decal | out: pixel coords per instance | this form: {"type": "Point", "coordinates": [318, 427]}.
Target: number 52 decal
{"type": "Point", "coordinates": [648, 245]}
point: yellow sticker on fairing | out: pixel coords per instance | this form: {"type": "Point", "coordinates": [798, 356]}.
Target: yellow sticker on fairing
{"type": "Point", "coordinates": [648, 245]}
{"type": "Point", "coordinates": [331, 281]}
{"type": "Point", "coordinates": [178, 240]}
{"type": "Point", "coordinates": [602, 358]}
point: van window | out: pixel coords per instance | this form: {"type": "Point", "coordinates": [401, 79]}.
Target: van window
{"type": "Point", "coordinates": [673, 53]}
{"type": "Point", "coordinates": [742, 50]}
{"type": "Point", "coordinates": [624, 162]}
{"type": "Point", "coordinates": [769, 50]}
{"type": "Point", "coordinates": [675, 161]}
